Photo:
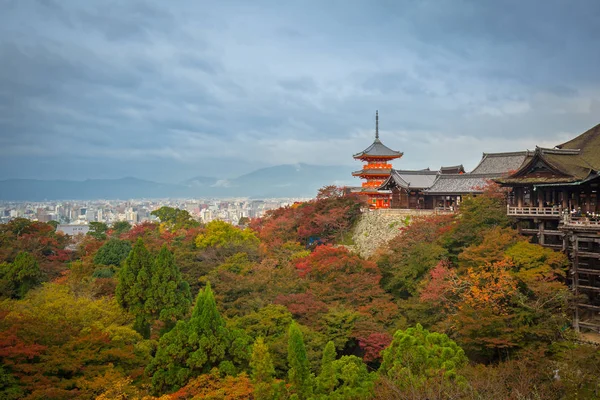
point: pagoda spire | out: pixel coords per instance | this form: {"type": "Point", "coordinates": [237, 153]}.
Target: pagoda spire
{"type": "Point", "coordinates": [376, 124]}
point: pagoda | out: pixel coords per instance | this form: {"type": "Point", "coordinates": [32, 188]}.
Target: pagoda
{"type": "Point", "coordinates": [376, 170]}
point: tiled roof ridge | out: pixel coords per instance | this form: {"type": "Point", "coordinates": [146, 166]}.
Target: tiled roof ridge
{"type": "Point", "coordinates": [415, 172]}
{"type": "Point", "coordinates": [556, 151]}
{"type": "Point", "coordinates": [452, 166]}
{"type": "Point", "coordinates": [506, 154]}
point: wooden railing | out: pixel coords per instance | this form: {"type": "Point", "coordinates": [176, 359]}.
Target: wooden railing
{"type": "Point", "coordinates": [534, 211]}
{"type": "Point", "coordinates": [582, 222]}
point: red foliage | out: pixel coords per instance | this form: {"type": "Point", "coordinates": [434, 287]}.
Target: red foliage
{"type": "Point", "coordinates": [374, 344]}
{"type": "Point", "coordinates": [440, 284]}
{"type": "Point", "coordinates": [325, 218]}
{"type": "Point", "coordinates": [304, 306]}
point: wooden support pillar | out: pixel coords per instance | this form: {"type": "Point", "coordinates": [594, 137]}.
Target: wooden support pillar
{"type": "Point", "coordinates": [575, 275]}
{"type": "Point", "coordinates": [541, 238]}
{"type": "Point", "coordinates": [540, 196]}
{"type": "Point", "coordinates": [519, 193]}
{"type": "Point", "coordinates": [565, 199]}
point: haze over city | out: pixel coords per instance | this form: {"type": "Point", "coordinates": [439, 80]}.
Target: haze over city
{"type": "Point", "coordinates": [171, 90]}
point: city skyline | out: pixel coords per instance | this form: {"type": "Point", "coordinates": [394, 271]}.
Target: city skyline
{"type": "Point", "coordinates": [169, 92]}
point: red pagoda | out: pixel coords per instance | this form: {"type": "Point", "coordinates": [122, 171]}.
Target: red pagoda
{"type": "Point", "coordinates": [376, 170]}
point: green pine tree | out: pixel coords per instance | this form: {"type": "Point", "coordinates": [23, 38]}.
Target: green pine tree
{"type": "Point", "coordinates": [169, 298]}
{"type": "Point", "coordinates": [262, 370]}
{"type": "Point", "coordinates": [416, 357]}
{"type": "Point", "coordinates": [326, 381]}
{"type": "Point", "coordinates": [195, 346]}
{"type": "Point", "coordinates": [299, 375]}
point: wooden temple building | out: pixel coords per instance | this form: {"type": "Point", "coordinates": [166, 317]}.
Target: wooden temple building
{"type": "Point", "coordinates": [376, 169]}
{"type": "Point", "coordinates": [444, 189]}
{"type": "Point", "coordinates": [554, 198]}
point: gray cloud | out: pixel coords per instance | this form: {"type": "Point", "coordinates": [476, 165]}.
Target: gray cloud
{"type": "Point", "coordinates": [162, 90]}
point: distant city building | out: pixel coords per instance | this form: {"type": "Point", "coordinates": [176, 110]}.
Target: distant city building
{"type": "Point", "coordinates": [73, 230]}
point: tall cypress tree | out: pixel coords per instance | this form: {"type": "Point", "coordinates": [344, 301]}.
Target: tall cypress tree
{"type": "Point", "coordinates": [299, 374]}
{"type": "Point", "coordinates": [134, 285]}
{"type": "Point", "coordinates": [327, 380]}
{"type": "Point", "coordinates": [262, 370]}
{"type": "Point", "coordinates": [169, 298]}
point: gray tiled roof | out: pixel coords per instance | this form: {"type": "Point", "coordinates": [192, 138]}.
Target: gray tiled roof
{"type": "Point", "coordinates": [460, 183]}
{"type": "Point", "coordinates": [420, 179]}
{"type": "Point", "coordinates": [500, 163]}
{"type": "Point", "coordinates": [378, 149]}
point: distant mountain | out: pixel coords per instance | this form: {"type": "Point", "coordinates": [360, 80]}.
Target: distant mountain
{"type": "Point", "coordinates": [298, 180]}
{"type": "Point", "coordinates": [200, 181]}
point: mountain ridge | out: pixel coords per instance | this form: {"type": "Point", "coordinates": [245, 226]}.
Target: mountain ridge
{"type": "Point", "coordinates": [286, 180]}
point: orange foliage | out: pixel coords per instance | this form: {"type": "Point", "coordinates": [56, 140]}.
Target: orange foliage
{"type": "Point", "coordinates": [212, 386]}
{"type": "Point", "coordinates": [491, 285]}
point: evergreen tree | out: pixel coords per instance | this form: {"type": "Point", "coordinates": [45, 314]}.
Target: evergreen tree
{"type": "Point", "coordinates": [134, 285]}
{"type": "Point", "coordinates": [170, 297]}
{"type": "Point", "coordinates": [196, 346]}
{"type": "Point", "coordinates": [299, 373]}
{"type": "Point", "coordinates": [262, 370]}
{"type": "Point", "coordinates": [416, 357]}
{"type": "Point", "coordinates": [113, 252]}
{"type": "Point", "coordinates": [326, 381]}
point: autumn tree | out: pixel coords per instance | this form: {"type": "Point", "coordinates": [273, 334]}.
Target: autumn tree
{"type": "Point", "coordinates": [174, 219]}
{"type": "Point", "coordinates": [18, 277]}
{"type": "Point", "coordinates": [299, 375]}
{"type": "Point", "coordinates": [412, 254]}
{"type": "Point", "coordinates": [219, 234]}
{"type": "Point", "coordinates": [197, 345]}
{"type": "Point", "coordinates": [59, 345]}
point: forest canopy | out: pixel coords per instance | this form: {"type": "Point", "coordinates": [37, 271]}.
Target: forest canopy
{"type": "Point", "coordinates": [454, 307]}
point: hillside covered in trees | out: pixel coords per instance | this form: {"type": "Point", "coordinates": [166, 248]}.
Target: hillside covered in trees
{"type": "Point", "coordinates": [455, 307]}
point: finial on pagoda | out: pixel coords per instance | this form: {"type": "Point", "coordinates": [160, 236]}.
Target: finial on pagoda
{"type": "Point", "coordinates": [376, 124]}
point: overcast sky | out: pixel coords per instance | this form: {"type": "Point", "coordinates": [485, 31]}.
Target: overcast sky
{"type": "Point", "coordinates": [168, 90]}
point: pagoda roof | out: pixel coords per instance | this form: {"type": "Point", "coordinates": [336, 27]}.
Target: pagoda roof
{"type": "Point", "coordinates": [500, 163]}
{"type": "Point", "coordinates": [378, 149]}
{"type": "Point", "coordinates": [410, 179]}
{"type": "Point", "coordinates": [378, 171]}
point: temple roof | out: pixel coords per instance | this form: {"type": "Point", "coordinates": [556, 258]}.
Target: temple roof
{"type": "Point", "coordinates": [408, 179]}
{"type": "Point", "coordinates": [378, 149]}
{"type": "Point", "coordinates": [500, 163]}
{"type": "Point", "coordinates": [560, 166]}
{"type": "Point", "coordinates": [589, 144]}
{"type": "Point", "coordinates": [452, 184]}
{"type": "Point", "coordinates": [454, 169]}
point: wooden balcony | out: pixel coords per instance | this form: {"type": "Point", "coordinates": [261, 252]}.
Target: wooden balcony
{"type": "Point", "coordinates": [533, 212]}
